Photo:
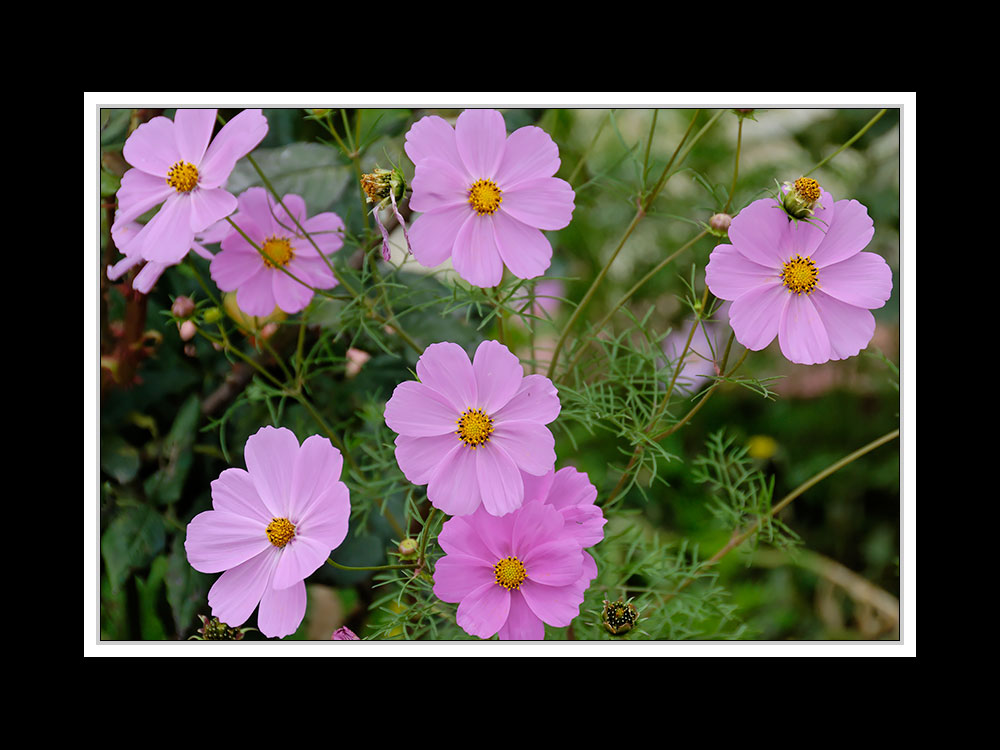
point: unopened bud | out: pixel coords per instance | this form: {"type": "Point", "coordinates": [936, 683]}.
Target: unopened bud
{"type": "Point", "coordinates": [720, 222]}
{"type": "Point", "coordinates": [408, 548]}
{"type": "Point", "coordinates": [188, 330]}
{"type": "Point", "coordinates": [190, 350]}
{"type": "Point", "coordinates": [619, 617]}
{"type": "Point", "coordinates": [344, 634]}
{"type": "Point", "coordinates": [268, 330]}
{"type": "Point", "coordinates": [183, 307]}
{"type": "Point", "coordinates": [212, 314]}
{"type": "Point", "coordinates": [356, 359]}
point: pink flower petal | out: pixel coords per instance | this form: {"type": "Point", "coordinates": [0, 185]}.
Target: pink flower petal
{"type": "Point", "coordinates": [433, 235]}
{"type": "Point", "coordinates": [849, 328]}
{"type": "Point", "coordinates": [270, 455]}
{"type": "Point", "coordinates": [480, 136]}
{"type": "Point", "coordinates": [760, 232]}
{"type": "Point", "coordinates": [281, 611]}
{"type": "Point", "coordinates": [327, 518]}
{"type": "Point", "coordinates": [801, 333]}
{"type": "Point", "coordinates": [300, 558]}
{"type": "Point", "coordinates": [218, 540]}
{"type": "Point", "coordinates": [209, 207]}
{"type": "Point", "coordinates": [457, 575]}
{"type": "Point", "coordinates": [314, 271]}
{"type": "Point", "coordinates": [544, 203]}
{"type": "Point", "coordinates": [484, 610]}
{"type": "Point", "coordinates": [193, 130]}
{"type": "Point", "coordinates": [536, 488]}
{"type": "Point", "coordinates": [499, 480]}
{"type": "Point", "coordinates": [555, 563]}
{"type": "Point", "coordinates": [437, 184]}
{"type": "Point", "coordinates": [231, 268]}
{"type": "Point", "coordinates": [234, 492]}
{"type": "Point", "coordinates": [454, 487]}
{"type": "Point", "coordinates": [863, 280]}
{"type": "Point", "coordinates": [498, 375]}
{"type": "Point", "coordinates": [522, 624]}
{"type": "Point", "coordinates": [475, 255]}
{"type": "Point", "coordinates": [571, 487]}
{"type": "Point", "coordinates": [534, 525]}
{"type": "Point", "coordinates": [152, 147]}
{"type": "Point", "coordinates": [432, 136]}
{"type": "Point", "coordinates": [417, 410]}
{"type": "Point", "coordinates": [849, 233]}
{"type": "Point", "coordinates": [236, 594]}
{"type": "Point", "coordinates": [530, 445]}
{"type": "Point", "coordinates": [289, 294]}
{"type": "Point", "coordinates": [168, 235]}
{"type": "Point", "coordinates": [237, 138]}
{"type": "Point", "coordinates": [418, 457]}
{"type": "Point", "coordinates": [119, 269]}
{"type": "Point", "coordinates": [459, 536]}
{"type": "Point", "coordinates": [326, 230]}
{"type": "Point", "coordinates": [148, 276]}
{"type": "Point", "coordinates": [445, 367]}
{"type": "Point", "coordinates": [255, 296]}
{"type": "Point", "coordinates": [729, 273]}
{"type": "Point", "coordinates": [530, 153]}
{"type": "Point", "coordinates": [286, 219]}
{"type": "Point", "coordinates": [317, 467]}
{"type": "Point", "coordinates": [536, 400]}
{"type": "Point", "coordinates": [754, 315]}
{"type": "Point", "coordinates": [555, 605]}
{"type": "Point", "coordinates": [139, 192]}
{"type": "Point", "coordinates": [524, 250]}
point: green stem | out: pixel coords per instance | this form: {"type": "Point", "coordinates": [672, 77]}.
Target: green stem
{"type": "Point", "coordinates": [736, 165]}
{"type": "Point", "coordinates": [857, 135]}
{"type": "Point", "coordinates": [401, 566]}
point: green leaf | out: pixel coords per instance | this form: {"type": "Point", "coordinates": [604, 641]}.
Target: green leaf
{"type": "Point", "coordinates": [310, 170]}
{"type": "Point", "coordinates": [119, 459]}
{"type": "Point", "coordinates": [166, 484]}
{"type": "Point", "coordinates": [149, 592]}
{"type": "Point", "coordinates": [185, 588]}
{"type": "Point", "coordinates": [132, 539]}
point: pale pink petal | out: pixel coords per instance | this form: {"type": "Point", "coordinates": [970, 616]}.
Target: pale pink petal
{"type": "Point", "coordinates": [863, 280]}
{"type": "Point", "coordinates": [210, 206]}
{"type": "Point", "coordinates": [432, 136]}
{"type": "Point", "coordinates": [432, 236]}
{"type": "Point", "coordinates": [534, 525]}
{"type": "Point", "coordinates": [459, 536]}
{"type": "Point", "coordinates": [236, 594]}
{"type": "Point", "coordinates": [326, 230]}
{"type": "Point", "coordinates": [314, 271]}
{"type": "Point", "coordinates": [475, 255]}
{"type": "Point", "coordinates": [536, 488]}
{"type": "Point", "coordinates": [849, 328]}
{"type": "Point", "coordinates": [454, 487]}
{"type": "Point", "coordinates": [801, 333]}
{"type": "Point", "coordinates": [530, 445]}
{"type": "Point", "coordinates": [116, 271]}
{"type": "Point", "coordinates": [849, 233]}
{"type": "Point", "coordinates": [300, 558]}
{"type": "Point", "coordinates": [545, 203]}
{"type": "Point", "coordinates": [168, 235]}
{"type": "Point", "coordinates": [530, 153]}
{"type": "Point", "coordinates": [446, 368]}
{"type": "Point", "coordinates": [555, 563]}
{"type": "Point", "coordinates": [498, 375]}
{"type": "Point", "coordinates": [571, 487]}
{"type": "Point", "coordinates": [327, 517]}
{"type": "Point", "coordinates": [759, 232]}
{"type": "Point", "coordinates": [255, 296]}
{"type": "Point", "coordinates": [237, 138]}
{"type": "Point", "coordinates": [524, 250]}
{"type": "Point", "coordinates": [217, 540]}
{"type": "Point", "coordinates": [193, 130]}
{"type": "Point", "coordinates": [230, 268]}
{"type": "Point", "coordinates": [437, 184]}
{"type": "Point", "coordinates": [234, 492]}
{"type": "Point", "coordinates": [417, 410]}
{"type": "Point", "coordinates": [282, 610]}
{"type": "Point", "coordinates": [418, 457]}
{"type": "Point", "coordinates": [499, 480]}
{"type": "Point", "coordinates": [555, 605]}
{"type": "Point", "coordinates": [496, 532]}
{"type": "Point", "coordinates": [805, 235]}
{"type": "Point", "coordinates": [317, 467]}
{"type": "Point", "coordinates": [480, 135]}
{"type": "Point", "coordinates": [270, 455]}
{"type": "Point", "coordinates": [152, 147]}
{"type": "Point", "coordinates": [484, 610]}
{"type": "Point", "coordinates": [139, 192]}
{"type": "Point", "coordinates": [148, 276]}
{"type": "Point", "coordinates": [729, 273]}
{"type": "Point", "coordinates": [296, 211]}
{"type": "Point", "coordinates": [536, 400]}
{"type": "Point", "coordinates": [754, 315]}
{"type": "Point", "coordinates": [289, 294]}
{"type": "Point", "coordinates": [522, 624]}
{"type": "Point", "coordinates": [457, 575]}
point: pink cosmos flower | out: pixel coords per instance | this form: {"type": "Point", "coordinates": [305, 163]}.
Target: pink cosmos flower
{"type": "Point", "coordinates": [150, 273]}
{"type": "Point", "coordinates": [174, 164]}
{"type": "Point", "coordinates": [270, 528]}
{"type": "Point", "coordinates": [485, 196]}
{"type": "Point", "coordinates": [511, 575]}
{"type": "Point", "coordinates": [806, 282]}
{"type": "Point", "coordinates": [261, 283]}
{"type": "Point", "coordinates": [468, 429]}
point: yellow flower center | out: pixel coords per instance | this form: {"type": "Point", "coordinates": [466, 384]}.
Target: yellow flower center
{"type": "Point", "coordinates": [474, 427]}
{"type": "Point", "coordinates": [799, 275]}
{"type": "Point", "coordinates": [278, 251]}
{"type": "Point", "coordinates": [510, 573]}
{"type": "Point", "coordinates": [183, 177]}
{"type": "Point", "coordinates": [280, 531]}
{"type": "Point", "coordinates": [807, 188]}
{"type": "Point", "coordinates": [485, 197]}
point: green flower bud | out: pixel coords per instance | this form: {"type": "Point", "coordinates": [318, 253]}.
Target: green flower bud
{"type": "Point", "coordinates": [408, 548]}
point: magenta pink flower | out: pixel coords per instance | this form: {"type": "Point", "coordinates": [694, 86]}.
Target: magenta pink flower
{"type": "Point", "coordinates": [174, 164]}
{"type": "Point", "coordinates": [261, 283]}
{"type": "Point", "coordinates": [485, 197]}
{"type": "Point", "coordinates": [270, 528]}
{"type": "Point", "coordinates": [806, 282]}
{"type": "Point", "coordinates": [511, 575]}
{"type": "Point", "coordinates": [468, 429]}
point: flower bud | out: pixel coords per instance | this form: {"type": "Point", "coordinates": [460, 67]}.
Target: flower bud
{"type": "Point", "coordinates": [183, 307]}
{"type": "Point", "coordinates": [356, 359]}
{"type": "Point", "coordinates": [212, 314]}
{"type": "Point", "coordinates": [720, 223]}
{"type": "Point", "coordinates": [619, 617]}
{"type": "Point", "coordinates": [801, 197]}
{"type": "Point", "coordinates": [188, 330]}
{"type": "Point", "coordinates": [344, 634]}
{"type": "Point", "coordinates": [408, 548]}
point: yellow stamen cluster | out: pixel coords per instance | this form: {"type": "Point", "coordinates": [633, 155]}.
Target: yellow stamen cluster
{"type": "Point", "coordinates": [278, 251]}
{"type": "Point", "coordinates": [474, 427]}
{"type": "Point", "coordinates": [485, 197]}
{"type": "Point", "coordinates": [510, 573]}
{"type": "Point", "coordinates": [280, 531]}
{"type": "Point", "coordinates": [808, 189]}
{"type": "Point", "coordinates": [183, 177]}
{"type": "Point", "coordinates": [799, 275]}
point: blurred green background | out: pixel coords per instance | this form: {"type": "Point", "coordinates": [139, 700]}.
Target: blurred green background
{"type": "Point", "coordinates": [167, 428]}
